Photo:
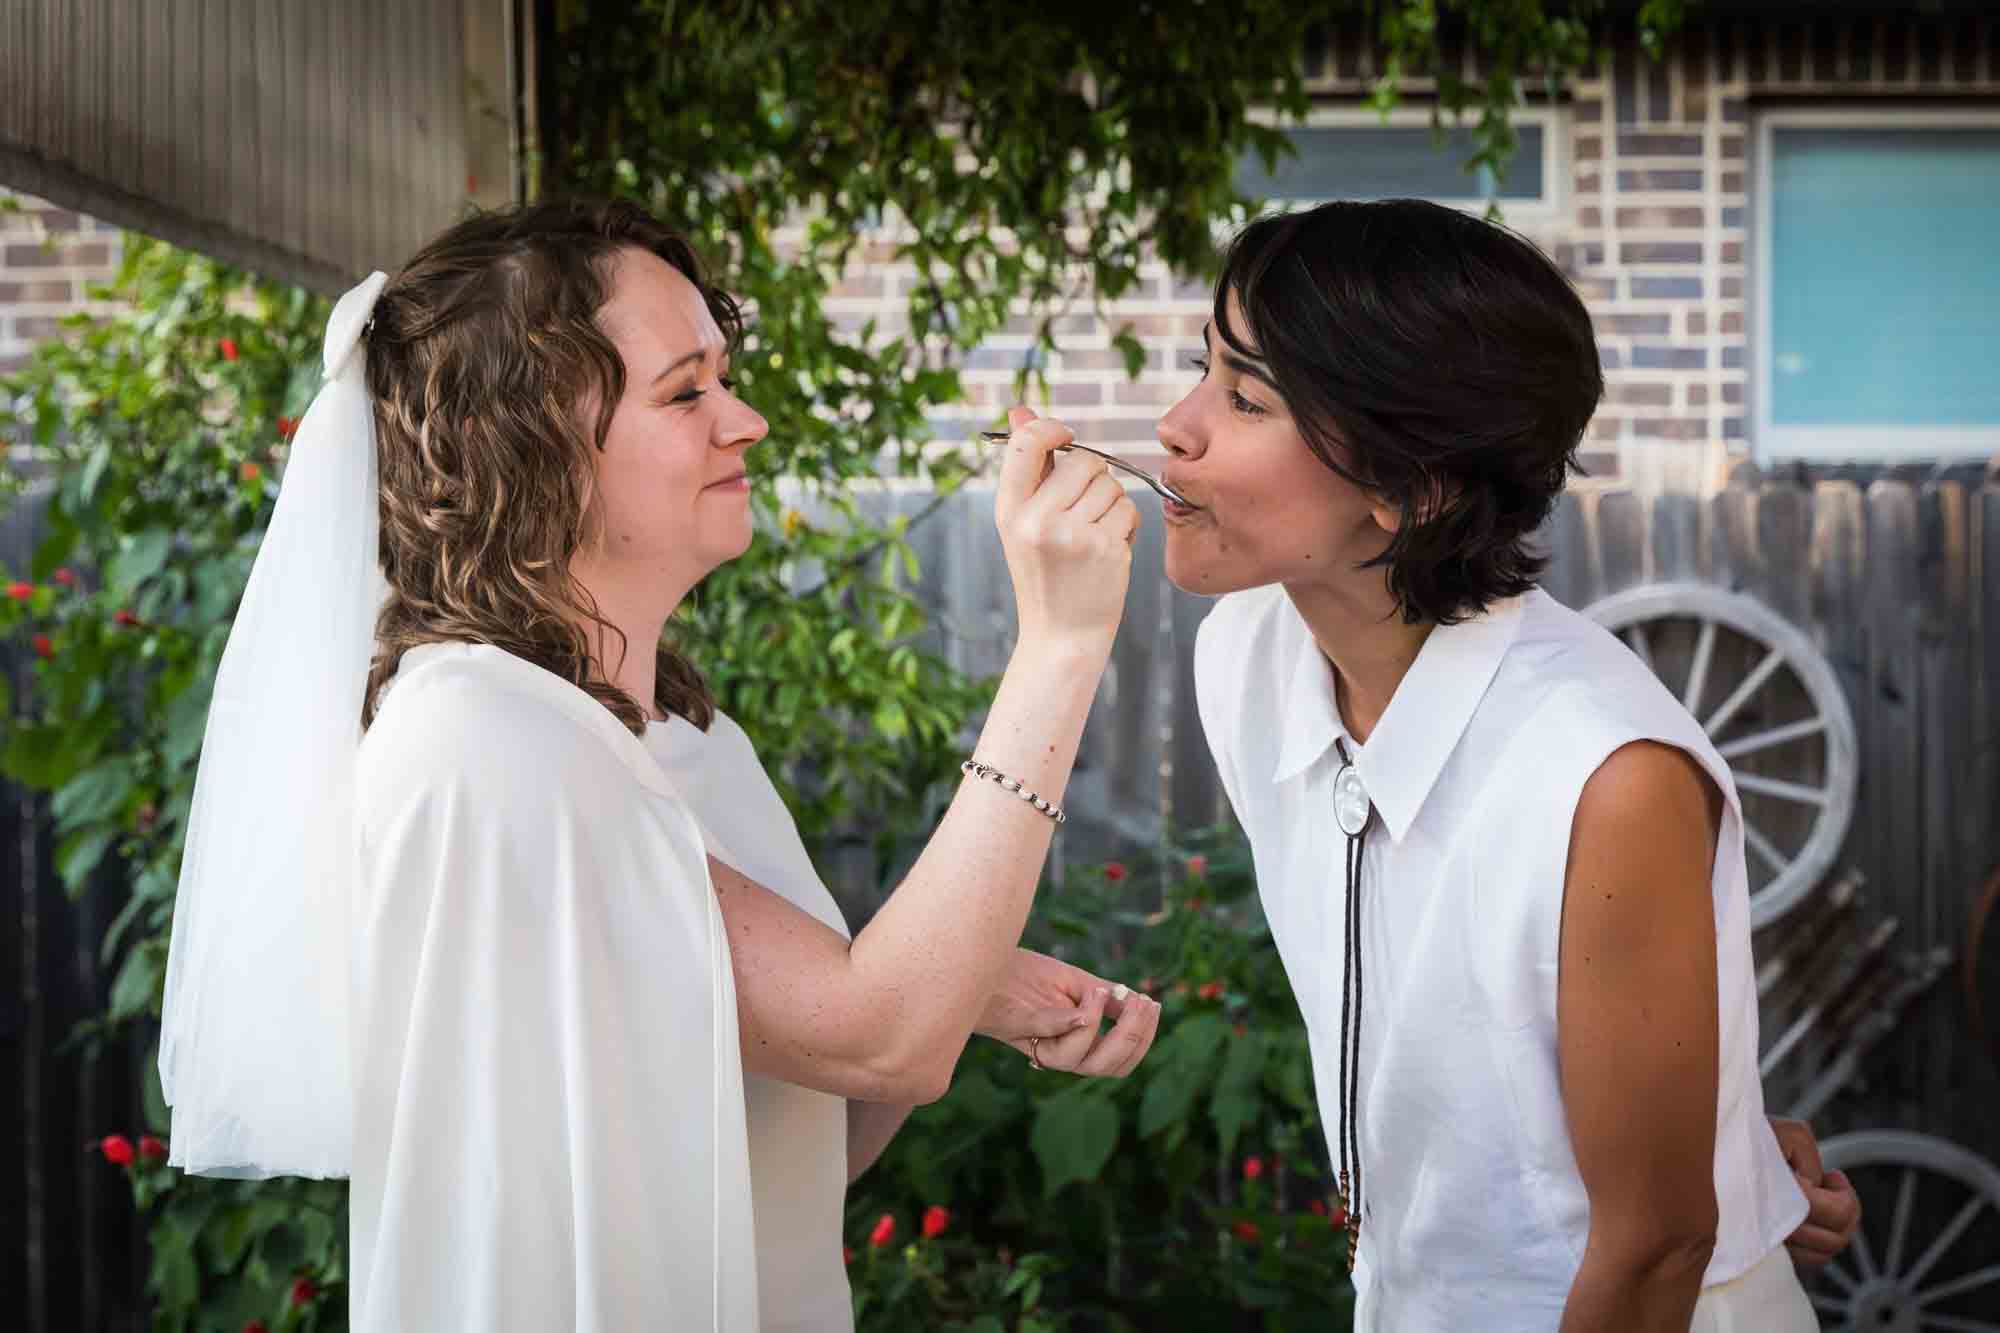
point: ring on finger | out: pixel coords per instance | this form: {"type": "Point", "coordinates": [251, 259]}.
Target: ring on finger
{"type": "Point", "coordinates": [1034, 1053]}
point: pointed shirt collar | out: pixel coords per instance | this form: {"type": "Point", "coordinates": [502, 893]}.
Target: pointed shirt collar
{"type": "Point", "coordinates": [1421, 727]}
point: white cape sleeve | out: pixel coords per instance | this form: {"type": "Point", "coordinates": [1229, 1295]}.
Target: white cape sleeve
{"type": "Point", "coordinates": [549, 1124]}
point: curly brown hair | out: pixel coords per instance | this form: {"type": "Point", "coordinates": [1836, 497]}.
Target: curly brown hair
{"type": "Point", "coordinates": [494, 390]}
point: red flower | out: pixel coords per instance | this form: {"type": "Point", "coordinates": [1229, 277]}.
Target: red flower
{"type": "Point", "coordinates": [65, 577]}
{"type": "Point", "coordinates": [44, 646]}
{"type": "Point", "coordinates": [1197, 866]}
{"type": "Point", "coordinates": [884, 1232]}
{"type": "Point", "coordinates": [228, 349]}
{"type": "Point", "coordinates": [1247, 1230]}
{"type": "Point", "coordinates": [1253, 1167]}
{"type": "Point", "coordinates": [847, 1254]}
{"type": "Point", "coordinates": [1196, 903]}
{"type": "Point", "coordinates": [1241, 1029]}
{"type": "Point", "coordinates": [126, 618]}
{"type": "Point", "coordinates": [936, 1219]}
{"type": "Point", "coordinates": [303, 1291]}
{"type": "Point", "coordinates": [117, 1149]}
{"type": "Point", "coordinates": [251, 471]}
{"type": "Point", "coordinates": [1114, 871]}
{"type": "Point", "coordinates": [1210, 990]}
{"type": "Point", "coordinates": [151, 1148]}
{"type": "Point", "coordinates": [256, 1326]}
{"type": "Point", "coordinates": [20, 592]}
{"type": "Point", "coordinates": [1318, 1207]}
{"type": "Point", "coordinates": [287, 427]}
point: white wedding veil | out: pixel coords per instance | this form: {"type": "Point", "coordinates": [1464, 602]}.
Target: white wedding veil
{"type": "Point", "coordinates": [254, 1057]}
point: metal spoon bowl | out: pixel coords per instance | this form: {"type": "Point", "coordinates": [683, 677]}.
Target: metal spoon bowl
{"type": "Point", "coordinates": [1165, 491]}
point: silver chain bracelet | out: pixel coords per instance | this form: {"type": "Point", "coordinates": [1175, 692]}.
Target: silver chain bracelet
{"type": "Point", "coordinates": [979, 770]}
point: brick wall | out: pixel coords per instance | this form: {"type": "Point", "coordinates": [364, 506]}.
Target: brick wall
{"type": "Point", "coordinates": [48, 255]}
{"type": "Point", "coordinates": [1652, 224]}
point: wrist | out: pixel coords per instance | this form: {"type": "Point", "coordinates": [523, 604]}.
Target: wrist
{"type": "Point", "coordinates": [1068, 652]}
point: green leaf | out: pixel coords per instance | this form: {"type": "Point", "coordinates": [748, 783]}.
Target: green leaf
{"type": "Point", "coordinates": [80, 854]}
{"type": "Point", "coordinates": [142, 557]}
{"type": "Point", "coordinates": [137, 984]}
{"type": "Point", "coordinates": [1182, 1072]}
{"type": "Point", "coordinates": [96, 793]}
{"type": "Point", "coordinates": [1236, 1105]}
{"type": "Point", "coordinates": [891, 721]}
{"type": "Point", "coordinates": [1075, 1133]}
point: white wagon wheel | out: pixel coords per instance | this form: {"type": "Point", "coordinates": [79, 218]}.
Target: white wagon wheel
{"type": "Point", "coordinates": [1893, 1281]}
{"type": "Point", "coordinates": [1781, 876]}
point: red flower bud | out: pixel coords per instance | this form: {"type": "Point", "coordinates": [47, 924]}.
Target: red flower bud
{"type": "Point", "coordinates": [44, 646]}
{"type": "Point", "coordinates": [117, 1149]}
{"type": "Point", "coordinates": [126, 618]}
{"type": "Point", "coordinates": [287, 427]}
{"type": "Point", "coordinates": [20, 592]}
{"type": "Point", "coordinates": [1339, 1218]}
{"type": "Point", "coordinates": [1210, 990]}
{"type": "Point", "coordinates": [1114, 871]}
{"type": "Point", "coordinates": [1197, 866]}
{"type": "Point", "coordinates": [151, 1148]}
{"type": "Point", "coordinates": [228, 349]}
{"type": "Point", "coordinates": [256, 1326]}
{"type": "Point", "coordinates": [884, 1232]}
{"type": "Point", "coordinates": [936, 1219]}
{"type": "Point", "coordinates": [65, 576]}
{"type": "Point", "coordinates": [847, 1254]}
{"type": "Point", "coordinates": [1318, 1207]}
{"type": "Point", "coordinates": [1247, 1230]}
{"type": "Point", "coordinates": [251, 471]}
{"type": "Point", "coordinates": [1196, 903]}
{"type": "Point", "coordinates": [303, 1291]}
{"type": "Point", "coordinates": [1253, 1167]}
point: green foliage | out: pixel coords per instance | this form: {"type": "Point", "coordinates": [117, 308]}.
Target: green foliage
{"type": "Point", "coordinates": [1130, 1204]}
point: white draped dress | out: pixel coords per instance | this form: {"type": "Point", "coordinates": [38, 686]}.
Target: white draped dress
{"type": "Point", "coordinates": [549, 1117]}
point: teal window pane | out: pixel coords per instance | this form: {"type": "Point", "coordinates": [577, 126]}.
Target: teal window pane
{"type": "Point", "coordinates": [1391, 162]}
{"type": "Point", "coordinates": [1885, 277]}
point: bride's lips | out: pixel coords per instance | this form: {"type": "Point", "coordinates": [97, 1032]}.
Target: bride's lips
{"type": "Point", "coordinates": [1187, 510]}
{"type": "Point", "coordinates": [739, 482]}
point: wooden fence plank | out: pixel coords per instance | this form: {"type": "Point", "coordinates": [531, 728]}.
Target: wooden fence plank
{"type": "Point", "coordinates": [1566, 537]}
{"type": "Point", "coordinates": [1891, 759]}
{"type": "Point", "coordinates": [1675, 537]}
{"type": "Point", "coordinates": [1195, 798]}
{"type": "Point", "coordinates": [1621, 541]}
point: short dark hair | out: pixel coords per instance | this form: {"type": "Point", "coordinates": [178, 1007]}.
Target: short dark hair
{"type": "Point", "coordinates": [1438, 360]}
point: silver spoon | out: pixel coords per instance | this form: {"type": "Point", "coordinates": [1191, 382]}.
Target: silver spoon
{"type": "Point", "coordinates": [1167, 492]}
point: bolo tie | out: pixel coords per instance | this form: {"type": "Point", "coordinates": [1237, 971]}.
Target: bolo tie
{"type": "Point", "coordinates": [1352, 811]}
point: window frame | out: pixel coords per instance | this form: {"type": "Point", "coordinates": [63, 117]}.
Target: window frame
{"type": "Point", "coordinates": [1834, 444]}
{"type": "Point", "coordinates": [1552, 120]}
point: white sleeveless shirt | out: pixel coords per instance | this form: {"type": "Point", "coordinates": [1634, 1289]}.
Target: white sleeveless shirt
{"type": "Point", "coordinates": [798, 1136]}
{"type": "Point", "coordinates": [1475, 1215]}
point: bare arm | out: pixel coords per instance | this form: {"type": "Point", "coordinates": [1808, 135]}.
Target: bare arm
{"type": "Point", "coordinates": [870, 1126]}
{"type": "Point", "coordinates": [1637, 1038]}
{"type": "Point", "coordinates": [883, 1019]}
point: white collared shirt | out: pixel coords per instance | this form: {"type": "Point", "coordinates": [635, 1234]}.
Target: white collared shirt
{"type": "Point", "coordinates": [1474, 1212]}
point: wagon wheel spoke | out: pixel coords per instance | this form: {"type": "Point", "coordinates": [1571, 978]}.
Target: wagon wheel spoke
{"type": "Point", "coordinates": [1764, 740]}
{"type": "Point", "coordinates": [1945, 1240]}
{"type": "Point", "coordinates": [1841, 1277]}
{"type": "Point", "coordinates": [1796, 792]}
{"type": "Point", "coordinates": [1766, 851]}
{"type": "Point", "coordinates": [1827, 1303]}
{"type": "Point", "coordinates": [1864, 1255]}
{"type": "Point", "coordinates": [1642, 648]}
{"type": "Point", "coordinates": [1951, 1323]}
{"type": "Point", "coordinates": [1741, 695]}
{"type": "Point", "coordinates": [1697, 681]}
{"type": "Point", "coordinates": [1906, 1197]}
{"type": "Point", "coordinates": [1958, 1286]}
